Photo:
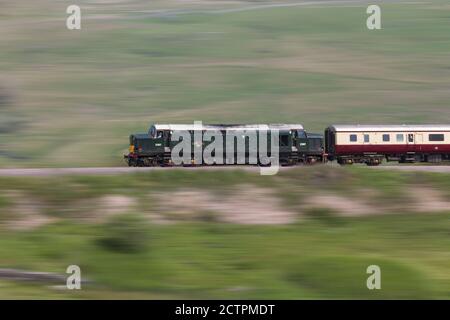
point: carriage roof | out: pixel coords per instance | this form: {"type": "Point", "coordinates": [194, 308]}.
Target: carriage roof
{"type": "Point", "coordinates": [391, 128]}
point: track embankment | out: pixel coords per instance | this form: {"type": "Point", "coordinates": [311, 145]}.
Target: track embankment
{"type": "Point", "coordinates": [44, 172]}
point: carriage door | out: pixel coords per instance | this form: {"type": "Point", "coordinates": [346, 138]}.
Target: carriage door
{"type": "Point", "coordinates": [418, 141]}
{"type": "Point", "coordinates": [366, 142]}
{"type": "Point", "coordinates": [410, 141]}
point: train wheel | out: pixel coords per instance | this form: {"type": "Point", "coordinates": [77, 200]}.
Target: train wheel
{"type": "Point", "coordinates": [132, 163]}
{"type": "Point", "coordinates": [344, 162]}
{"type": "Point", "coordinates": [374, 162]}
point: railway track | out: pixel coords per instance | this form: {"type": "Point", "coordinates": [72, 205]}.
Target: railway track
{"type": "Point", "coordinates": [42, 172]}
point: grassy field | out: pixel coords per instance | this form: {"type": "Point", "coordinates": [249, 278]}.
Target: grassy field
{"type": "Point", "coordinates": [71, 98]}
{"type": "Point", "coordinates": [320, 254]}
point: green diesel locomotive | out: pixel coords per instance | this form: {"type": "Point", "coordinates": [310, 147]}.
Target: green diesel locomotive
{"type": "Point", "coordinates": [295, 145]}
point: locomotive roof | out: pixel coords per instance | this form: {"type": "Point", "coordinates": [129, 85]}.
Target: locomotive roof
{"type": "Point", "coordinates": [315, 135]}
{"type": "Point", "coordinates": [390, 128]}
{"type": "Point", "coordinates": [181, 127]}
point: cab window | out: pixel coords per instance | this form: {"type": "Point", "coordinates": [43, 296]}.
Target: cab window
{"type": "Point", "coordinates": [153, 132]}
{"type": "Point", "coordinates": [284, 141]}
{"type": "Point", "coordinates": [166, 137]}
{"type": "Point", "coordinates": [301, 134]}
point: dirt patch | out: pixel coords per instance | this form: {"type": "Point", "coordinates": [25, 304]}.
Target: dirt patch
{"type": "Point", "coordinates": [25, 213]}
{"type": "Point", "coordinates": [254, 205]}
{"type": "Point", "coordinates": [115, 204]}
{"type": "Point", "coordinates": [101, 209]}
{"type": "Point", "coordinates": [427, 199]}
{"type": "Point", "coordinates": [245, 205]}
{"type": "Point", "coordinates": [422, 199]}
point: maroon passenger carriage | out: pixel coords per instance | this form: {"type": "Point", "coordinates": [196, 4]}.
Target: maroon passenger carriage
{"type": "Point", "coordinates": [371, 144]}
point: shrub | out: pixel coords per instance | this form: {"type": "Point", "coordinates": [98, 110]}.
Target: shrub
{"type": "Point", "coordinates": [325, 215]}
{"type": "Point", "coordinates": [126, 234]}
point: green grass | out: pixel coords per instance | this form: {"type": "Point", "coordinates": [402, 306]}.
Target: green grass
{"type": "Point", "coordinates": [312, 260]}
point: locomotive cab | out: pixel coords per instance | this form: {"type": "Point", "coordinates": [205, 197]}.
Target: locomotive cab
{"type": "Point", "coordinates": [302, 141]}
{"type": "Point", "coordinates": [310, 146]}
{"type": "Point", "coordinates": [315, 143]}
{"type": "Point", "coordinates": [314, 148]}
{"type": "Point", "coordinates": [141, 150]}
{"type": "Point", "coordinates": [140, 144]}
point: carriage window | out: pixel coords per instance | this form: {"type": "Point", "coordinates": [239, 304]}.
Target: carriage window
{"type": "Point", "coordinates": [353, 138]}
{"type": "Point", "coordinates": [436, 137]}
{"type": "Point", "coordinates": [400, 138]}
{"type": "Point", "coordinates": [386, 137]}
{"type": "Point", "coordinates": [366, 138]}
{"type": "Point", "coordinates": [410, 137]}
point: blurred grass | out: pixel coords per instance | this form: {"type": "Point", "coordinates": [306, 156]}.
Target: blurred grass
{"type": "Point", "coordinates": [323, 256]}
{"type": "Point", "coordinates": [80, 94]}
{"type": "Point", "coordinates": [229, 261]}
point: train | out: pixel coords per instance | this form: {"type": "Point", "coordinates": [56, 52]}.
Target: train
{"type": "Point", "coordinates": [345, 144]}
